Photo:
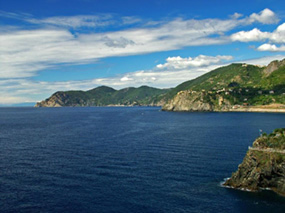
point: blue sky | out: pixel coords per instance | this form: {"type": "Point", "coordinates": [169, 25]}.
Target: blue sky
{"type": "Point", "coordinates": [52, 45]}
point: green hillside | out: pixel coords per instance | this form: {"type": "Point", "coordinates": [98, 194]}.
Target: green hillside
{"type": "Point", "coordinates": [222, 88]}
{"type": "Point", "coordinates": [239, 83]}
{"type": "Point", "coordinates": [103, 96]}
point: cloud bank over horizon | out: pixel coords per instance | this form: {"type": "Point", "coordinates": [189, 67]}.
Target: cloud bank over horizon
{"type": "Point", "coordinates": [50, 42]}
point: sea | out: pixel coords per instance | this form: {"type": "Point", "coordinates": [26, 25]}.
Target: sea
{"type": "Point", "coordinates": [128, 159]}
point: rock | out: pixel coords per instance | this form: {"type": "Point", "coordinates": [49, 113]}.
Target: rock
{"type": "Point", "coordinates": [198, 101]}
{"type": "Point", "coordinates": [185, 101]}
{"type": "Point", "coordinates": [262, 167]}
{"type": "Point", "coordinates": [274, 65]}
{"type": "Point", "coordinates": [58, 99]}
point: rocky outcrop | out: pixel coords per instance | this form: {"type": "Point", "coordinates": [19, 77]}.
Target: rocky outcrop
{"type": "Point", "coordinates": [56, 100]}
{"type": "Point", "coordinates": [236, 87]}
{"type": "Point", "coordinates": [274, 65]}
{"type": "Point", "coordinates": [197, 101]}
{"type": "Point", "coordinates": [188, 101]}
{"type": "Point", "coordinates": [263, 166]}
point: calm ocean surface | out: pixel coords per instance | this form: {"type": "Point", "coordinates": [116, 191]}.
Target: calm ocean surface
{"type": "Point", "coordinates": [127, 160]}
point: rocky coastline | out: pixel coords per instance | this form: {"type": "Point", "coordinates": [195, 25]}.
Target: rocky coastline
{"type": "Point", "coordinates": [263, 167]}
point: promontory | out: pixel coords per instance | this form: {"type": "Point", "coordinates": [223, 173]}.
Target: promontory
{"type": "Point", "coordinates": [236, 87]}
{"type": "Point", "coordinates": [263, 167]}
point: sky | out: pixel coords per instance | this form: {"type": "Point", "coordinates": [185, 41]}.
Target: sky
{"type": "Point", "coordinates": [58, 45]}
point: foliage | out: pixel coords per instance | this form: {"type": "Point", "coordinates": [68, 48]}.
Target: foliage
{"type": "Point", "coordinates": [275, 140]}
{"type": "Point", "coordinates": [243, 84]}
{"type": "Point", "coordinates": [102, 96]}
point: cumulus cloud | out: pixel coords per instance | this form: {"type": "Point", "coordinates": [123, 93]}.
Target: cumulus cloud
{"type": "Point", "coordinates": [277, 36]}
{"type": "Point", "coordinates": [199, 61]}
{"type": "Point", "coordinates": [255, 34]}
{"type": "Point", "coordinates": [271, 48]}
{"type": "Point", "coordinates": [266, 16]}
{"type": "Point", "coordinates": [252, 35]}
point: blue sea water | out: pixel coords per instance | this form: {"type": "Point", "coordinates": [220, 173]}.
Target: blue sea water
{"type": "Point", "coordinates": [136, 159]}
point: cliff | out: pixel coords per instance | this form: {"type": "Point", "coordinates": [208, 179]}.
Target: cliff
{"type": "Point", "coordinates": [263, 166]}
{"type": "Point", "coordinates": [236, 87]}
{"type": "Point", "coordinates": [197, 101]}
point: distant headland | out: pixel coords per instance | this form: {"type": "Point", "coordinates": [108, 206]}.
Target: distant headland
{"type": "Point", "coordinates": [236, 87]}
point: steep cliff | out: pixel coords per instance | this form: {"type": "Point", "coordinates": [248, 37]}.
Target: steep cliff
{"type": "Point", "coordinates": [231, 88]}
{"type": "Point", "coordinates": [263, 165]}
{"type": "Point", "coordinates": [197, 101]}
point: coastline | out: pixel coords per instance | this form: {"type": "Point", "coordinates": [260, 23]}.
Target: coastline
{"type": "Point", "coordinates": [257, 109]}
{"type": "Point", "coordinates": [244, 189]}
{"type": "Point", "coordinates": [243, 109]}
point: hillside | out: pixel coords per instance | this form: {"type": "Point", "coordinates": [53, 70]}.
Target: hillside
{"type": "Point", "coordinates": [236, 87]}
{"type": "Point", "coordinates": [230, 87]}
{"type": "Point", "coordinates": [105, 96]}
{"type": "Point", "coordinates": [263, 165]}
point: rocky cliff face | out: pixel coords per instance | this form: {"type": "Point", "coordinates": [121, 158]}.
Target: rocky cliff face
{"type": "Point", "coordinates": [196, 101]}
{"type": "Point", "coordinates": [262, 167]}
{"type": "Point", "coordinates": [56, 100]}
{"type": "Point", "coordinates": [274, 65]}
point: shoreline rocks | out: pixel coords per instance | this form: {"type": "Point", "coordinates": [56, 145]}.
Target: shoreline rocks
{"type": "Point", "coordinates": [262, 167]}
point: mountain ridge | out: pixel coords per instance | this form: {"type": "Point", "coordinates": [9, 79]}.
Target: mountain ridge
{"type": "Point", "coordinates": [231, 88]}
{"type": "Point", "coordinates": [235, 87]}
{"type": "Point", "coordinates": [105, 96]}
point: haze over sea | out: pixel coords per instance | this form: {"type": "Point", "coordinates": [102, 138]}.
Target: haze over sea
{"type": "Point", "coordinates": [123, 159]}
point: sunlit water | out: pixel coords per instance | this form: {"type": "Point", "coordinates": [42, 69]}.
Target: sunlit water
{"type": "Point", "coordinates": [127, 160]}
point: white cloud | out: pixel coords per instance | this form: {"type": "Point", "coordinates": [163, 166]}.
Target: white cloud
{"type": "Point", "coordinates": [236, 15]}
{"type": "Point", "coordinates": [177, 63]}
{"type": "Point", "coordinates": [271, 48]}
{"type": "Point", "coordinates": [277, 36]}
{"type": "Point", "coordinates": [24, 52]}
{"type": "Point", "coordinates": [255, 34]}
{"type": "Point", "coordinates": [252, 35]}
{"type": "Point", "coordinates": [49, 43]}
{"type": "Point", "coordinates": [263, 60]}
{"type": "Point", "coordinates": [75, 21]}
{"type": "Point", "coordinates": [25, 90]}
{"type": "Point", "coordinates": [266, 16]}
{"type": "Point", "coordinates": [126, 78]}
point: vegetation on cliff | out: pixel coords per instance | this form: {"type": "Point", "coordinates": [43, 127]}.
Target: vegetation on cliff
{"type": "Point", "coordinates": [233, 85]}
{"type": "Point", "coordinates": [263, 165]}
{"type": "Point", "coordinates": [223, 89]}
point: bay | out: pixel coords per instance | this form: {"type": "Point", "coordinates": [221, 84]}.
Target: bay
{"type": "Point", "coordinates": [127, 159]}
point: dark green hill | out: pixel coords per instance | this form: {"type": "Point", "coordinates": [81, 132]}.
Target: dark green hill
{"type": "Point", "coordinates": [104, 96]}
{"type": "Point", "coordinates": [220, 89]}
{"type": "Point", "coordinates": [235, 84]}
{"type": "Point", "coordinates": [237, 75]}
